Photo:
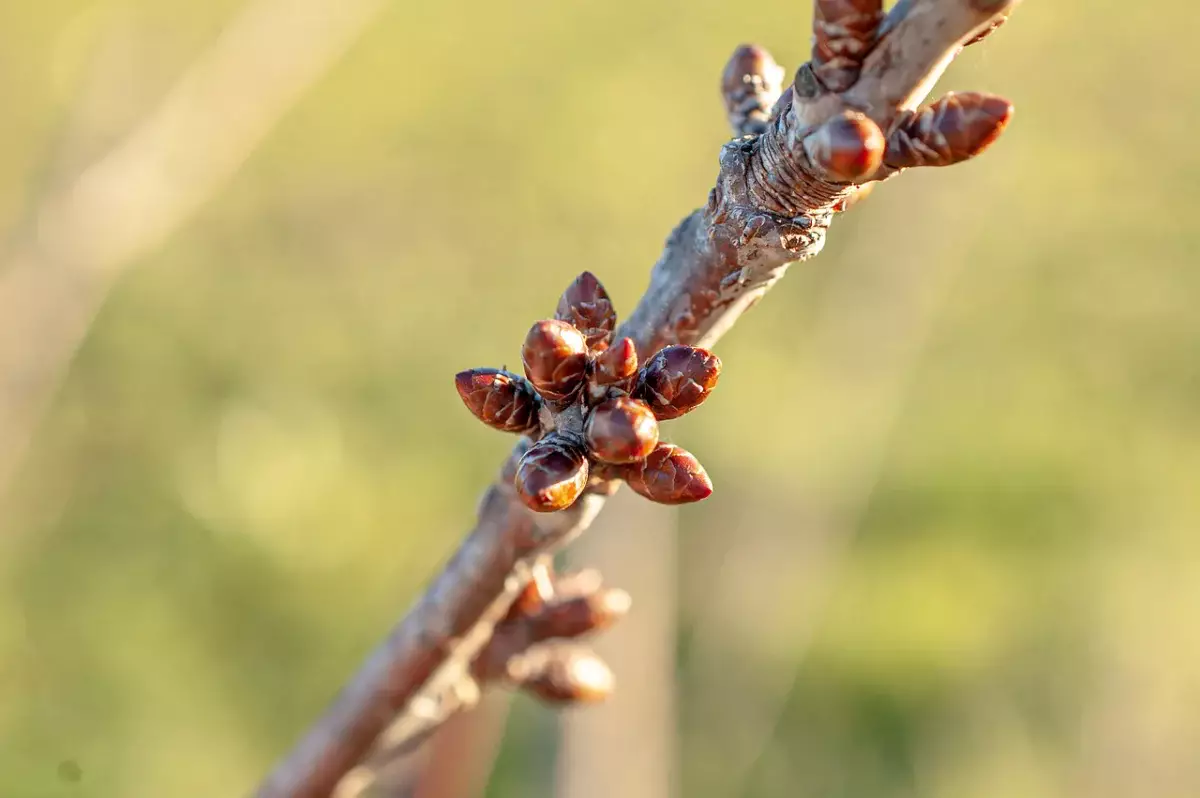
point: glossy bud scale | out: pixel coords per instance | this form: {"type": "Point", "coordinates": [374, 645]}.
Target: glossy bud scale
{"type": "Point", "coordinates": [621, 430]}
{"type": "Point", "coordinates": [551, 475]}
{"type": "Point", "coordinates": [617, 363]}
{"type": "Point", "coordinates": [586, 306]}
{"type": "Point", "coordinates": [951, 130]}
{"type": "Point", "coordinates": [499, 399]}
{"type": "Point", "coordinates": [670, 475]}
{"type": "Point", "coordinates": [555, 358]}
{"type": "Point", "coordinates": [678, 379]}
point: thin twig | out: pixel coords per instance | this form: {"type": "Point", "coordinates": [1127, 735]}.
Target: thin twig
{"type": "Point", "coordinates": [775, 196]}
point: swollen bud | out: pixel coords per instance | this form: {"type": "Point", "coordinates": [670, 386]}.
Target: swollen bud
{"type": "Point", "coordinates": [750, 85]}
{"type": "Point", "coordinates": [844, 32]}
{"type": "Point", "coordinates": [585, 305]}
{"type": "Point", "coordinates": [951, 130]}
{"type": "Point", "coordinates": [617, 363]}
{"type": "Point", "coordinates": [567, 675]}
{"type": "Point", "coordinates": [621, 430]}
{"type": "Point", "coordinates": [847, 148]}
{"type": "Point", "coordinates": [555, 356]}
{"type": "Point", "coordinates": [677, 379]}
{"type": "Point", "coordinates": [499, 399]}
{"type": "Point", "coordinates": [551, 475]}
{"type": "Point", "coordinates": [578, 615]}
{"type": "Point", "coordinates": [670, 475]}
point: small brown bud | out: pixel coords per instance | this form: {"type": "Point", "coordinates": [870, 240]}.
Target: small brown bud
{"type": "Point", "coordinates": [501, 400]}
{"type": "Point", "coordinates": [551, 475]}
{"type": "Point", "coordinates": [566, 675]}
{"type": "Point", "coordinates": [585, 305]}
{"type": "Point", "coordinates": [670, 475]}
{"type": "Point", "coordinates": [951, 130]}
{"type": "Point", "coordinates": [579, 615]}
{"type": "Point", "coordinates": [621, 430]}
{"type": "Point", "coordinates": [844, 31]}
{"type": "Point", "coordinates": [677, 379]}
{"type": "Point", "coordinates": [555, 355]}
{"type": "Point", "coordinates": [750, 85]}
{"type": "Point", "coordinates": [617, 363]}
{"type": "Point", "coordinates": [847, 148]}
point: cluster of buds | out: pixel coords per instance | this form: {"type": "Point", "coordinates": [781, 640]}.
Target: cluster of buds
{"type": "Point", "coordinates": [591, 410]}
{"type": "Point", "coordinates": [536, 646]}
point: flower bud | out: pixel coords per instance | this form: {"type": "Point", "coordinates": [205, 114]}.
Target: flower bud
{"type": "Point", "coordinates": [678, 379]}
{"type": "Point", "coordinates": [847, 148]}
{"type": "Point", "coordinates": [621, 430]}
{"type": "Point", "coordinates": [551, 475]}
{"type": "Point", "coordinates": [555, 356]}
{"type": "Point", "coordinates": [670, 475]}
{"type": "Point", "coordinates": [617, 363]}
{"type": "Point", "coordinates": [501, 400]}
{"type": "Point", "coordinates": [951, 130]}
{"type": "Point", "coordinates": [586, 306]}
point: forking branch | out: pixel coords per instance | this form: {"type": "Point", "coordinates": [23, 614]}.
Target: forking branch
{"type": "Point", "coordinates": [852, 117]}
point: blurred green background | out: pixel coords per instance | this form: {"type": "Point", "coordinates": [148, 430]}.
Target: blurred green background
{"type": "Point", "coordinates": [953, 547]}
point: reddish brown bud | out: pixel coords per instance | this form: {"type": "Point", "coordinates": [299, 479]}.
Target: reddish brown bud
{"type": "Point", "coordinates": [846, 148]}
{"type": "Point", "coordinates": [555, 358]}
{"type": "Point", "coordinates": [844, 31]}
{"type": "Point", "coordinates": [551, 475]}
{"type": "Point", "coordinates": [621, 430]}
{"type": "Point", "coordinates": [499, 399]}
{"type": "Point", "coordinates": [951, 130]}
{"type": "Point", "coordinates": [617, 363]}
{"type": "Point", "coordinates": [670, 475]}
{"type": "Point", "coordinates": [579, 615]}
{"type": "Point", "coordinates": [678, 379]}
{"type": "Point", "coordinates": [565, 675]}
{"type": "Point", "coordinates": [585, 305]}
{"type": "Point", "coordinates": [750, 85]}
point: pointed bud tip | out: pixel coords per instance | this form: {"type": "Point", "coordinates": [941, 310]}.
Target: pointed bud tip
{"type": "Point", "coordinates": [618, 362]}
{"type": "Point", "coordinates": [748, 60]}
{"type": "Point", "coordinates": [699, 488]}
{"type": "Point", "coordinates": [670, 475]}
{"type": "Point", "coordinates": [586, 305]}
{"type": "Point", "coordinates": [984, 117]}
{"type": "Point", "coordinates": [588, 281]}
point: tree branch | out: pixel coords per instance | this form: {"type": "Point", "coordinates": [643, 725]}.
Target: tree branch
{"type": "Point", "coordinates": [775, 195]}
